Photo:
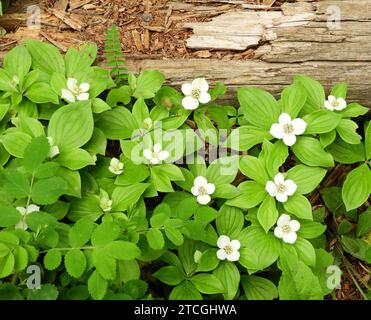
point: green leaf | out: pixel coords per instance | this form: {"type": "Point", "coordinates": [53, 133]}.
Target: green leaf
{"type": "Point", "coordinates": [17, 61]}
{"type": "Point", "coordinates": [321, 121]}
{"type": "Point", "coordinates": [185, 291]}
{"type": "Point", "coordinates": [124, 197]}
{"type": "Point", "coordinates": [45, 57]}
{"type": "Point", "coordinates": [347, 153]}
{"type": "Point", "coordinates": [14, 183]}
{"type": "Point", "coordinates": [267, 213]}
{"type": "Point", "coordinates": [310, 152]}
{"type": "Point", "coordinates": [251, 194]}
{"type": "Point", "coordinates": [122, 250]}
{"type": "Point", "coordinates": [293, 99]}
{"type": "Point", "coordinates": [276, 156]}
{"type": "Point", "coordinates": [132, 173]}
{"type": "Point", "coordinates": [6, 265]}
{"type": "Point", "coordinates": [254, 168]}
{"type": "Point", "coordinates": [155, 239]}
{"type": "Point", "coordinates": [353, 110]}
{"type": "Point", "coordinates": [105, 233]}
{"type": "Point", "coordinates": [229, 276]}
{"type": "Point", "coordinates": [230, 221]}
{"type": "Point", "coordinates": [245, 137]}
{"type": "Point", "coordinates": [299, 206]}
{"type": "Point", "coordinates": [71, 126]}
{"type": "Point", "coordinates": [368, 141]}
{"type": "Point", "coordinates": [81, 232]}
{"type": "Point", "coordinates": [170, 275]}
{"type": "Point", "coordinates": [258, 288]}
{"type": "Point", "coordinates": [75, 159]}
{"type": "Point", "coordinates": [75, 263]}
{"type": "Point", "coordinates": [47, 292]}
{"type": "Point", "coordinates": [148, 83]}
{"type": "Point", "coordinates": [364, 223]}
{"type": "Point", "coordinates": [207, 283]}
{"type": "Point", "coordinates": [105, 264]}
{"type": "Point", "coordinates": [208, 261]}
{"type": "Point", "coordinates": [347, 130]}
{"type": "Point", "coordinates": [41, 92]}
{"type": "Point", "coordinates": [35, 153]}
{"type": "Point", "coordinates": [174, 235]}
{"type": "Point", "coordinates": [310, 229]}
{"type": "Point", "coordinates": [21, 259]}
{"type": "Point", "coordinates": [15, 142]}
{"type": "Point", "coordinates": [97, 286]}
{"type": "Point", "coordinates": [339, 90]}
{"type": "Point", "coordinates": [52, 259]}
{"type": "Point", "coordinates": [9, 216]}
{"type": "Point", "coordinates": [259, 107]}
{"type": "Point", "coordinates": [357, 187]}
{"type": "Point", "coordinates": [306, 178]}
{"type": "Point", "coordinates": [315, 92]}
{"type": "Point", "coordinates": [48, 191]}
{"type": "Point", "coordinates": [327, 138]}
{"type": "Point", "coordinates": [305, 251]}
{"type": "Point", "coordinates": [47, 170]}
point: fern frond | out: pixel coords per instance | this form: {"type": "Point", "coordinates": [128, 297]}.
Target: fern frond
{"type": "Point", "coordinates": [114, 56]}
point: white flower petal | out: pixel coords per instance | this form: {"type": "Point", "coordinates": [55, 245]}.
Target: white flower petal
{"type": "Point", "coordinates": [290, 237]}
{"type": "Point", "coordinates": [278, 232]}
{"type": "Point", "coordinates": [83, 96]}
{"type": "Point", "coordinates": [21, 210]}
{"type": "Point", "coordinates": [155, 161]}
{"type": "Point", "coordinates": [68, 95]}
{"type": "Point", "coordinates": [203, 199]}
{"type": "Point", "coordinates": [210, 188]}
{"type": "Point", "coordinates": [283, 220]}
{"type": "Point", "coordinates": [201, 84]}
{"type": "Point", "coordinates": [223, 241]}
{"type": "Point", "coordinates": [342, 104]}
{"type": "Point", "coordinates": [163, 155]}
{"type": "Point", "coordinates": [331, 98]}
{"type": "Point", "coordinates": [281, 197]}
{"type": "Point", "coordinates": [84, 87]}
{"type": "Point", "coordinates": [276, 131]}
{"type": "Point", "coordinates": [270, 187]}
{"type": "Point", "coordinates": [289, 139]}
{"type": "Point", "coordinates": [234, 256]}
{"type": "Point", "coordinates": [114, 162]}
{"type": "Point", "coordinates": [54, 151]}
{"type": "Point", "coordinates": [279, 178]}
{"type": "Point", "coordinates": [195, 191]}
{"type": "Point", "coordinates": [200, 181]}
{"type": "Point", "coordinates": [299, 126]}
{"type": "Point", "coordinates": [21, 225]}
{"type": "Point", "coordinates": [284, 119]}
{"type": "Point", "coordinates": [71, 84]}
{"type": "Point", "coordinates": [190, 103]}
{"type": "Point", "coordinates": [294, 225]}
{"type": "Point", "coordinates": [204, 97]}
{"type": "Point", "coordinates": [328, 105]}
{"type": "Point", "coordinates": [187, 89]}
{"type": "Point", "coordinates": [147, 154]}
{"type": "Point", "coordinates": [221, 254]}
{"type": "Point", "coordinates": [290, 187]}
{"type": "Point", "coordinates": [235, 244]}
{"type": "Point", "coordinates": [32, 208]}
{"type": "Point", "coordinates": [157, 148]}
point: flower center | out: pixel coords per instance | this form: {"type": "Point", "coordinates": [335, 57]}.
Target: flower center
{"type": "Point", "coordinates": [335, 103]}
{"type": "Point", "coordinates": [228, 249]}
{"type": "Point", "coordinates": [288, 128]}
{"type": "Point", "coordinates": [15, 81]}
{"type": "Point", "coordinates": [202, 191]}
{"type": "Point", "coordinates": [281, 188]}
{"type": "Point", "coordinates": [77, 90]}
{"type": "Point", "coordinates": [155, 155]}
{"type": "Point", "coordinates": [196, 93]}
{"type": "Point", "coordinates": [286, 229]}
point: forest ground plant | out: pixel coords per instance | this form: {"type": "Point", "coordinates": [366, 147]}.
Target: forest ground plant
{"type": "Point", "coordinates": [101, 178]}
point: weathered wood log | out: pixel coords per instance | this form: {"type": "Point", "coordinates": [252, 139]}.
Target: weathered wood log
{"type": "Point", "coordinates": [298, 38]}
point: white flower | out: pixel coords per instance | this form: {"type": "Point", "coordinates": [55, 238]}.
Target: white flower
{"type": "Point", "coordinates": [54, 150]}
{"type": "Point", "coordinates": [286, 229]}
{"type": "Point", "coordinates": [197, 256]}
{"type": "Point", "coordinates": [228, 249]}
{"type": "Point", "coordinates": [332, 103]}
{"type": "Point", "coordinates": [157, 155]}
{"type": "Point", "coordinates": [116, 166]}
{"type": "Point", "coordinates": [147, 123]}
{"type": "Point", "coordinates": [15, 81]}
{"type": "Point", "coordinates": [288, 129]}
{"type": "Point", "coordinates": [281, 188]}
{"type": "Point", "coordinates": [195, 93]}
{"type": "Point", "coordinates": [106, 204]}
{"type": "Point", "coordinates": [24, 212]}
{"type": "Point", "coordinates": [202, 190]}
{"type": "Point", "coordinates": [75, 91]}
